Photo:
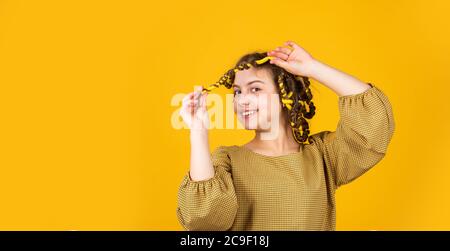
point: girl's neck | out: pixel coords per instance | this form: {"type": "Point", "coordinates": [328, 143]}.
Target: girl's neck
{"type": "Point", "coordinates": [284, 143]}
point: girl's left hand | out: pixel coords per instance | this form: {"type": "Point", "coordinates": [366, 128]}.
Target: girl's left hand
{"type": "Point", "coordinates": [295, 60]}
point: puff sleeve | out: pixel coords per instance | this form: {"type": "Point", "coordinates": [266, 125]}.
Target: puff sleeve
{"type": "Point", "coordinates": [363, 133]}
{"type": "Point", "coordinates": [209, 204]}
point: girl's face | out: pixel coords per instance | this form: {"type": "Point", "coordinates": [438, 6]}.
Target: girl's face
{"type": "Point", "coordinates": [256, 99]}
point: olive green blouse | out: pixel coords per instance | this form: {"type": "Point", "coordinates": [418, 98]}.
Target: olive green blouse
{"type": "Point", "coordinates": [251, 191]}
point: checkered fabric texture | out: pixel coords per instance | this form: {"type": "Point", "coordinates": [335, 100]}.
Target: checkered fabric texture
{"type": "Point", "coordinates": [251, 191]}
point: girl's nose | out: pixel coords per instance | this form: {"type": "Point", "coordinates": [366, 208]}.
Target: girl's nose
{"type": "Point", "coordinates": [242, 99]}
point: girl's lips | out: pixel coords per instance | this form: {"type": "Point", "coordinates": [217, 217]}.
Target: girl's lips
{"type": "Point", "coordinates": [247, 114]}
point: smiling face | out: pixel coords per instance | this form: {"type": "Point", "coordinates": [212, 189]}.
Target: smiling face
{"type": "Point", "coordinates": [256, 99]}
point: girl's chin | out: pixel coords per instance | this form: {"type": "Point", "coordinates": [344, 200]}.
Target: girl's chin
{"type": "Point", "coordinates": [249, 124]}
{"type": "Point", "coordinates": [252, 126]}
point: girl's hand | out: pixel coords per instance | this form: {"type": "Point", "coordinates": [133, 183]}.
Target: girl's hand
{"type": "Point", "coordinates": [194, 112]}
{"type": "Point", "coordinates": [295, 60]}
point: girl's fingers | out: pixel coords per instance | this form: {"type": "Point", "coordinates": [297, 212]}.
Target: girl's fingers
{"type": "Point", "coordinates": [189, 105]}
{"type": "Point", "coordinates": [293, 45]}
{"type": "Point", "coordinates": [198, 90]}
{"type": "Point", "coordinates": [192, 101]}
{"type": "Point", "coordinates": [203, 102]}
{"type": "Point", "coordinates": [187, 99]}
{"type": "Point", "coordinates": [284, 50]}
{"type": "Point", "coordinates": [281, 63]}
{"type": "Point", "coordinates": [188, 96]}
{"type": "Point", "coordinates": [197, 98]}
{"type": "Point", "coordinates": [191, 96]}
{"type": "Point", "coordinates": [279, 55]}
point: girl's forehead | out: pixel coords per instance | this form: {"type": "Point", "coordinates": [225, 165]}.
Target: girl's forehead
{"type": "Point", "coordinates": [242, 77]}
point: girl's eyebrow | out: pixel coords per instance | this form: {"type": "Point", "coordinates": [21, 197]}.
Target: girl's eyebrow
{"type": "Point", "coordinates": [251, 82]}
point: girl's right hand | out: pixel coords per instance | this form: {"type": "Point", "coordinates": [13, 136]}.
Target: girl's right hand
{"type": "Point", "coordinates": [194, 112]}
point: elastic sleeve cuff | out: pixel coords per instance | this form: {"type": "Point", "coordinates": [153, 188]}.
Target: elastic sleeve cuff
{"type": "Point", "coordinates": [220, 182]}
{"type": "Point", "coordinates": [358, 95]}
{"type": "Point", "coordinates": [191, 181]}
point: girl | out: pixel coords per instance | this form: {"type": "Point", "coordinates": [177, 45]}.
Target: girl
{"type": "Point", "coordinates": [281, 183]}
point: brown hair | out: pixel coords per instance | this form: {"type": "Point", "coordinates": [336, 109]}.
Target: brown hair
{"type": "Point", "coordinates": [295, 92]}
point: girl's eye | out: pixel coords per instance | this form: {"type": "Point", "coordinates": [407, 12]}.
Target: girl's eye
{"type": "Point", "coordinates": [237, 92]}
{"type": "Point", "coordinates": [256, 89]}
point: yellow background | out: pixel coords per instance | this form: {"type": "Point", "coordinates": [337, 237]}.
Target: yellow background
{"type": "Point", "coordinates": [85, 136]}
